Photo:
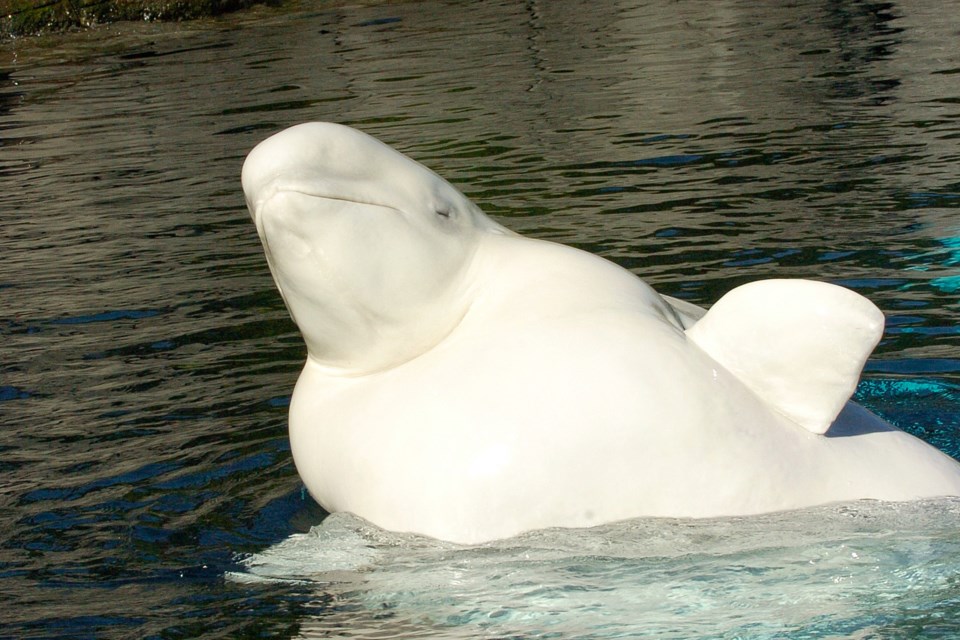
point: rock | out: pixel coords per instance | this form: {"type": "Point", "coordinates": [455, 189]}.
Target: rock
{"type": "Point", "coordinates": [28, 17]}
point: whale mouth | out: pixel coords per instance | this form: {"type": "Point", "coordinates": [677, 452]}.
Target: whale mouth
{"type": "Point", "coordinates": [296, 219]}
{"type": "Point", "coordinates": [320, 195]}
{"type": "Point", "coordinates": [344, 200]}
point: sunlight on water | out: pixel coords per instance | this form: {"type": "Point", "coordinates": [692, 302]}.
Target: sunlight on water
{"type": "Point", "coordinates": [146, 360]}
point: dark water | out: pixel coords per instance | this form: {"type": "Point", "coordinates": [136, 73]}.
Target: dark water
{"type": "Point", "coordinates": [146, 360]}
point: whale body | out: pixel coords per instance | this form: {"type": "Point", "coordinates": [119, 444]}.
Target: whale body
{"type": "Point", "coordinates": [467, 383]}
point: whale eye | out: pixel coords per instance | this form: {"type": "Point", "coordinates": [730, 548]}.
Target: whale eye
{"type": "Point", "coordinates": [443, 211]}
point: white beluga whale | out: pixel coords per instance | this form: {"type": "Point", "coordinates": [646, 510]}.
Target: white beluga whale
{"type": "Point", "coordinates": [467, 383]}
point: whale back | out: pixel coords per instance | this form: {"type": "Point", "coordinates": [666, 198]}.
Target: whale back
{"type": "Point", "coordinates": [799, 345]}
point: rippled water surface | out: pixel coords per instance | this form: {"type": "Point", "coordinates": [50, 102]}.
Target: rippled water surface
{"type": "Point", "coordinates": [146, 486]}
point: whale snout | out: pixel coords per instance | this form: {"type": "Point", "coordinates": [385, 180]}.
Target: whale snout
{"type": "Point", "coordinates": [330, 161]}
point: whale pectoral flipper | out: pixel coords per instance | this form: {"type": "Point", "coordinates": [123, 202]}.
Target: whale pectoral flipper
{"type": "Point", "coordinates": [799, 345]}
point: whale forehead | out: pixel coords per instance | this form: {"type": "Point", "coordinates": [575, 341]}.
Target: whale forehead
{"type": "Point", "coordinates": [334, 147]}
{"type": "Point", "coordinates": [335, 161]}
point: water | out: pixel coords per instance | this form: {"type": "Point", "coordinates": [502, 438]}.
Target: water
{"type": "Point", "coordinates": [146, 360]}
{"type": "Point", "coordinates": [827, 572]}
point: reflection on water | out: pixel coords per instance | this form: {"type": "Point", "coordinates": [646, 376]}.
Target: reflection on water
{"type": "Point", "coordinates": [146, 359]}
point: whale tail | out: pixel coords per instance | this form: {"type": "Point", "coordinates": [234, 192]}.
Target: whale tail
{"type": "Point", "coordinates": [799, 345]}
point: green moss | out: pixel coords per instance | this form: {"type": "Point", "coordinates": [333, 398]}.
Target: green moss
{"type": "Point", "coordinates": [23, 17]}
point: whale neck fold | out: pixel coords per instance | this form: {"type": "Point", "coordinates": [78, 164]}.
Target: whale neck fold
{"type": "Point", "coordinates": [350, 340]}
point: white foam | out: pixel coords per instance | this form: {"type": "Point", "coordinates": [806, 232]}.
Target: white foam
{"type": "Point", "coordinates": [843, 570]}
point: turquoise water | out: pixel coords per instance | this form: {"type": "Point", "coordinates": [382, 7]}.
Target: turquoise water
{"type": "Point", "coordinates": [146, 486]}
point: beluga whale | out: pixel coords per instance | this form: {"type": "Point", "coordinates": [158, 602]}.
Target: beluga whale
{"type": "Point", "coordinates": [467, 383]}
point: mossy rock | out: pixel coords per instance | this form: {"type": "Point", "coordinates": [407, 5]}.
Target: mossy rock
{"type": "Point", "coordinates": [23, 17]}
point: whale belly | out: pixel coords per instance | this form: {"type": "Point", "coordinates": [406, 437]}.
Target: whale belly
{"type": "Point", "coordinates": [510, 443]}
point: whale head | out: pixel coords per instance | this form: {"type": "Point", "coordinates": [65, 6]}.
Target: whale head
{"type": "Point", "coordinates": [370, 249]}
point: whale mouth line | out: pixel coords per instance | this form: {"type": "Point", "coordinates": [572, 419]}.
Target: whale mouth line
{"type": "Point", "coordinates": [323, 196]}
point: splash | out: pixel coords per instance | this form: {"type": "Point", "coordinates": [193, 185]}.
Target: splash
{"type": "Point", "coordinates": [863, 569]}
